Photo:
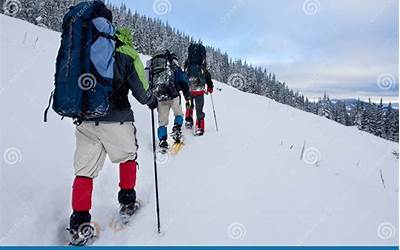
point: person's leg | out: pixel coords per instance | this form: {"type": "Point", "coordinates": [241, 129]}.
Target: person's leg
{"type": "Point", "coordinates": [163, 120]}
{"type": "Point", "coordinates": [127, 183]}
{"type": "Point", "coordinates": [121, 146]}
{"type": "Point", "coordinates": [178, 122]}
{"type": "Point", "coordinates": [89, 159]}
{"type": "Point", "coordinates": [178, 113]}
{"type": "Point", "coordinates": [82, 189]}
{"type": "Point", "coordinates": [189, 113]}
{"type": "Point", "coordinates": [200, 122]}
{"type": "Point", "coordinates": [127, 175]}
{"type": "Point", "coordinates": [199, 105]}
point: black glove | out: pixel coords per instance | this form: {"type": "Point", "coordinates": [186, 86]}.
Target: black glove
{"type": "Point", "coordinates": [152, 103]}
{"type": "Point", "coordinates": [187, 96]}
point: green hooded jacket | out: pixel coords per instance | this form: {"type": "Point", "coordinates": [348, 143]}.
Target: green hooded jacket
{"type": "Point", "coordinates": [124, 36]}
{"type": "Point", "coordinates": [129, 75]}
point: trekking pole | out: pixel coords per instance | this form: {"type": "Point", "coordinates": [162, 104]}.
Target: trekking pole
{"type": "Point", "coordinates": [155, 171]}
{"type": "Point", "coordinates": [215, 115]}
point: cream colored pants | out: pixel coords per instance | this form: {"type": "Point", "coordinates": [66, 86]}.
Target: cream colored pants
{"type": "Point", "coordinates": [93, 143]}
{"type": "Point", "coordinates": [165, 107]}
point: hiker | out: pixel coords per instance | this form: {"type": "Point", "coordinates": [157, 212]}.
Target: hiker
{"type": "Point", "coordinates": [106, 67]}
{"type": "Point", "coordinates": [113, 135]}
{"type": "Point", "coordinates": [167, 81]}
{"type": "Point", "coordinates": [199, 78]}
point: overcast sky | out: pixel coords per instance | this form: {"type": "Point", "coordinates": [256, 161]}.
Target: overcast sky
{"type": "Point", "coordinates": [348, 48]}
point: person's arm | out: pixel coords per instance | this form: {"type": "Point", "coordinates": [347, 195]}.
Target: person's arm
{"type": "Point", "coordinates": [209, 82]}
{"type": "Point", "coordinates": [182, 81]}
{"type": "Point", "coordinates": [137, 81]}
{"type": "Point", "coordinates": [135, 76]}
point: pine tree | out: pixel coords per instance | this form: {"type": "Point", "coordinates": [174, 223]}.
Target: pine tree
{"type": "Point", "coordinates": [379, 120]}
{"type": "Point", "coordinates": [151, 35]}
{"type": "Point", "coordinates": [391, 124]}
{"type": "Point", "coordinates": [326, 107]}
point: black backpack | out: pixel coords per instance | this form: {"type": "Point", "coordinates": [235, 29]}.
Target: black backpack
{"type": "Point", "coordinates": [162, 76]}
{"type": "Point", "coordinates": [197, 54]}
{"type": "Point", "coordinates": [196, 66]}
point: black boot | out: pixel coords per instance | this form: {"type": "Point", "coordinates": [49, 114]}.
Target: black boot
{"type": "Point", "coordinates": [177, 133]}
{"type": "Point", "coordinates": [189, 122]}
{"type": "Point", "coordinates": [163, 146]}
{"type": "Point", "coordinates": [200, 126]}
{"type": "Point", "coordinates": [81, 231]}
{"type": "Point", "coordinates": [127, 199]}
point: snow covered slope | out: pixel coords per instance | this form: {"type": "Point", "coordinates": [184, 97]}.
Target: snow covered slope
{"type": "Point", "coordinates": [246, 184]}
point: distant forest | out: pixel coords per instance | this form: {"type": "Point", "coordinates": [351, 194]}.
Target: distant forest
{"type": "Point", "coordinates": [151, 35]}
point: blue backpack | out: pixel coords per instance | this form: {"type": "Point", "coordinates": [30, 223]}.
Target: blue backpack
{"type": "Point", "coordinates": [85, 63]}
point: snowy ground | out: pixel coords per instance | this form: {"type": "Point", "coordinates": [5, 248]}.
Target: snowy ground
{"type": "Point", "coordinates": [245, 185]}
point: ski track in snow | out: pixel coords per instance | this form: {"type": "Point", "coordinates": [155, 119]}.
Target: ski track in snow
{"type": "Point", "coordinates": [244, 185]}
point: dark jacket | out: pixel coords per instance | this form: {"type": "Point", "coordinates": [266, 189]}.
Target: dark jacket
{"type": "Point", "coordinates": [128, 76]}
